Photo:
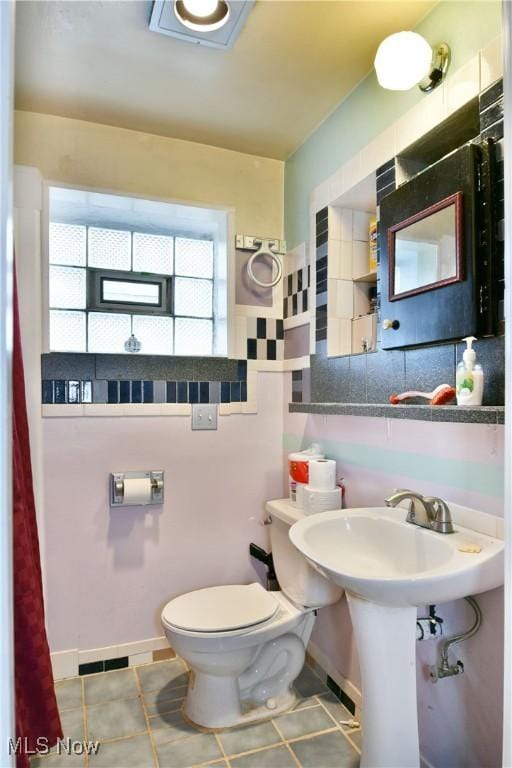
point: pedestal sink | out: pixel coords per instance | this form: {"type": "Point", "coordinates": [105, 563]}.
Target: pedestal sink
{"type": "Point", "coordinates": [388, 568]}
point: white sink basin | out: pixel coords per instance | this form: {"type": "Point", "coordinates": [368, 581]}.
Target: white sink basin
{"type": "Point", "coordinates": [376, 555]}
{"type": "Point", "coordinates": [388, 567]}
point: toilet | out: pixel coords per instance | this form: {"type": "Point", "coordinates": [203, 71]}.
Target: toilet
{"type": "Point", "coordinates": [245, 646]}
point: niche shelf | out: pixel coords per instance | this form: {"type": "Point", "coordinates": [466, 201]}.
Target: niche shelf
{"type": "Point", "coordinates": [483, 414]}
{"type": "Point", "coordinates": [370, 277]}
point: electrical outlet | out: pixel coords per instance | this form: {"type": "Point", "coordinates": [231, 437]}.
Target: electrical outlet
{"type": "Point", "coordinates": [204, 416]}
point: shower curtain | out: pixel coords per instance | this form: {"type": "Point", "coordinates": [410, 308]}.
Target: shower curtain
{"type": "Point", "coordinates": [37, 714]}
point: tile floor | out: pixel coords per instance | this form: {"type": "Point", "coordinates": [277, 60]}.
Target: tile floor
{"type": "Point", "coordinates": [136, 715]}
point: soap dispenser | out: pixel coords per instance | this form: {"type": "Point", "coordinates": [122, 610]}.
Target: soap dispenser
{"type": "Point", "coordinates": [470, 377]}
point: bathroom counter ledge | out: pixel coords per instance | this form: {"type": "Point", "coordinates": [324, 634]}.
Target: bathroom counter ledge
{"type": "Point", "coordinates": [483, 414]}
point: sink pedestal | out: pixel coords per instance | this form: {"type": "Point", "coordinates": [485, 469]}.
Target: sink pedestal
{"type": "Point", "coordinates": [386, 643]}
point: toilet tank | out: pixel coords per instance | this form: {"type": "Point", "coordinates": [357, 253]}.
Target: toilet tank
{"type": "Point", "coordinates": [299, 581]}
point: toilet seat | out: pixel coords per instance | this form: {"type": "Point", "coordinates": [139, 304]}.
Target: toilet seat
{"type": "Point", "coordinates": [220, 609]}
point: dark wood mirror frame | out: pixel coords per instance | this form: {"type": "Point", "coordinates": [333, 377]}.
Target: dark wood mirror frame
{"type": "Point", "coordinates": [455, 199]}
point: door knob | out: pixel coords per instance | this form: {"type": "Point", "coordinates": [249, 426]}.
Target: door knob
{"type": "Point", "coordinates": [393, 324]}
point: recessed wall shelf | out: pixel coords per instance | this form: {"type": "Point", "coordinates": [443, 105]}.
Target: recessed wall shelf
{"type": "Point", "coordinates": [483, 414]}
{"type": "Point", "coordinates": [370, 277]}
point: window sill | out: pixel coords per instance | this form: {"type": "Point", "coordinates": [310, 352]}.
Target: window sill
{"type": "Point", "coordinates": [110, 410]}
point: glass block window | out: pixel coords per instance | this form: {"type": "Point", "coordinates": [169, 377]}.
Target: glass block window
{"type": "Point", "coordinates": [108, 331]}
{"type": "Point", "coordinates": [68, 244]}
{"type": "Point", "coordinates": [193, 297]}
{"type": "Point", "coordinates": [170, 313]}
{"type": "Point", "coordinates": [194, 258]}
{"type": "Point", "coordinates": [193, 336]}
{"type": "Point", "coordinates": [68, 331]}
{"type": "Point", "coordinates": [109, 248]}
{"type": "Point", "coordinates": [67, 287]}
{"type": "Point", "coordinates": [153, 253]}
{"type": "Point", "coordinates": [155, 334]}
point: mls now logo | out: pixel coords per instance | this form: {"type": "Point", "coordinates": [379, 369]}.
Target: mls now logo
{"type": "Point", "coordinates": [65, 746]}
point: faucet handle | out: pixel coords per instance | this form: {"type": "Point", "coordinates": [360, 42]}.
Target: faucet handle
{"type": "Point", "coordinates": [442, 520]}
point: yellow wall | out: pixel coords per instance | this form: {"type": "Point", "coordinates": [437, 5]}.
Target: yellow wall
{"type": "Point", "coordinates": [93, 155]}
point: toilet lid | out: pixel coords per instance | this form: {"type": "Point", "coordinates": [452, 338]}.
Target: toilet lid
{"type": "Point", "coordinates": [219, 609]}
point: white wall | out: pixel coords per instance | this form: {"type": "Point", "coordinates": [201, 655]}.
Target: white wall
{"type": "Point", "coordinates": [110, 572]}
{"type": "Point", "coordinates": [123, 565]}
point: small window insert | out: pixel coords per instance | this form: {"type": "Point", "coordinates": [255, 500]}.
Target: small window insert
{"type": "Point", "coordinates": [129, 292]}
{"type": "Point", "coordinates": [109, 282]}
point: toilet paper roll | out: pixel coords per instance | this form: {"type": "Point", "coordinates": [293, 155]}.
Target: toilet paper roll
{"type": "Point", "coordinates": [322, 474]}
{"type": "Point", "coordinates": [137, 490]}
{"type": "Point", "coordinates": [315, 500]}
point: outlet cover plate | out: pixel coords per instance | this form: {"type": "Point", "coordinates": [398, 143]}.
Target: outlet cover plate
{"type": "Point", "coordinates": [204, 416]}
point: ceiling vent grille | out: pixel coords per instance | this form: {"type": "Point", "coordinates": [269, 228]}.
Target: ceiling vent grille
{"type": "Point", "coordinates": [164, 20]}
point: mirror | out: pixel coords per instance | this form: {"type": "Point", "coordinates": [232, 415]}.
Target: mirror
{"type": "Point", "coordinates": [425, 250]}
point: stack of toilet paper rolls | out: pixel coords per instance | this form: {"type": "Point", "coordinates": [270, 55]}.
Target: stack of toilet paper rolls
{"type": "Point", "coordinates": [321, 493]}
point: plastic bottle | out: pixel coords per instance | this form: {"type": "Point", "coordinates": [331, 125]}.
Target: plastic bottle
{"type": "Point", "coordinates": [470, 377]}
{"type": "Point", "coordinates": [372, 243]}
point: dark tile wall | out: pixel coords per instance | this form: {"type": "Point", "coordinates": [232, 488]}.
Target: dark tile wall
{"type": "Point", "coordinates": [385, 183]}
{"type": "Point", "coordinates": [386, 179]}
{"type": "Point", "coordinates": [297, 386]}
{"type": "Point", "coordinates": [84, 378]}
{"type": "Point", "coordinates": [491, 127]}
{"type": "Point", "coordinates": [373, 377]}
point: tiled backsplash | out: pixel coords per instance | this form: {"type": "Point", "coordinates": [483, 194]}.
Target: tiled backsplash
{"type": "Point", "coordinates": [372, 377]}
{"type": "Point", "coordinates": [265, 338]}
{"type": "Point", "coordinates": [113, 379]}
{"type": "Point", "coordinates": [322, 235]}
{"type": "Point", "coordinates": [296, 292]}
{"type": "Point", "coordinates": [301, 386]}
{"type": "Point", "coordinates": [491, 126]}
{"type": "Point", "coordinates": [386, 179]}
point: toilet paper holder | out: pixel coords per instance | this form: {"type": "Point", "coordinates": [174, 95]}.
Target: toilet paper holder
{"type": "Point", "coordinates": [117, 479]}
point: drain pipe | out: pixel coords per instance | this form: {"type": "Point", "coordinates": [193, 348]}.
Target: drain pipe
{"type": "Point", "coordinates": [444, 668]}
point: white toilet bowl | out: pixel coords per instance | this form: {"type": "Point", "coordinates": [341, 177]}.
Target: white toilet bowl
{"type": "Point", "coordinates": [245, 647]}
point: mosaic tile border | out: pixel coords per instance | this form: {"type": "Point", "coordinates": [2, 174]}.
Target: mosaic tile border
{"type": "Point", "coordinates": [322, 235]}
{"type": "Point", "coordinates": [114, 391]}
{"type": "Point", "coordinates": [296, 285]}
{"type": "Point", "coordinates": [74, 379]}
{"type": "Point", "coordinates": [297, 386]}
{"type": "Point", "coordinates": [265, 338]}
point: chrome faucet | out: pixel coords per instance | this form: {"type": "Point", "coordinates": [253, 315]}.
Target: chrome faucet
{"type": "Point", "coordinates": [425, 511]}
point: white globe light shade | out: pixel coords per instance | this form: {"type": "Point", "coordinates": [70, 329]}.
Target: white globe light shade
{"type": "Point", "coordinates": [201, 8]}
{"type": "Point", "coordinates": [202, 15]}
{"type": "Point", "coordinates": [402, 60]}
